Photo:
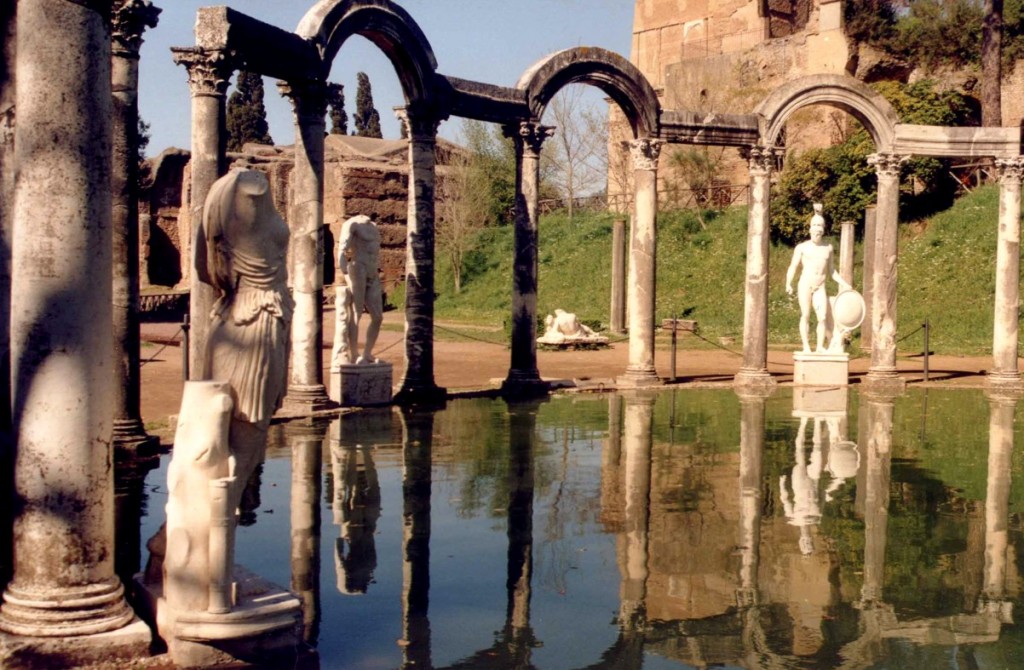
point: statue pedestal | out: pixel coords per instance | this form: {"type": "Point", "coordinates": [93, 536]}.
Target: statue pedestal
{"type": "Point", "coordinates": [264, 624]}
{"type": "Point", "coordinates": [360, 385]}
{"type": "Point", "coordinates": [824, 369]}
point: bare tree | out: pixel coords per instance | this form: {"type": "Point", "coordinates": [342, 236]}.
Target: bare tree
{"type": "Point", "coordinates": [463, 208]}
{"type": "Point", "coordinates": [578, 153]}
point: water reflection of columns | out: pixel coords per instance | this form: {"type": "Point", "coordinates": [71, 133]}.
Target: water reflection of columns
{"type": "Point", "coordinates": [637, 435]}
{"type": "Point", "coordinates": [1002, 408]}
{"type": "Point", "coordinates": [522, 441]}
{"type": "Point", "coordinates": [752, 412]}
{"type": "Point", "coordinates": [306, 440]}
{"type": "Point", "coordinates": [878, 457]}
{"type": "Point", "coordinates": [417, 441]}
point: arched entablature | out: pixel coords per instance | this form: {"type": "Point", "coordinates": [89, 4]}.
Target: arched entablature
{"type": "Point", "coordinates": [607, 70]}
{"type": "Point", "coordinates": [331, 22]}
{"type": "Point", "coordinates": [845, 93]}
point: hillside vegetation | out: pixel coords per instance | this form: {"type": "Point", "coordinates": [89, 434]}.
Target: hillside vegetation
{"type": "Point", "coordinates": [946, 275]}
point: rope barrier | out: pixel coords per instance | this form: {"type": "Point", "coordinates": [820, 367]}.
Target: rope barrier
{"type": "Point", "coordinates": [161, 349]}
{"type": "Point", "coordinates": [469, 337]}
{"type": "Point", "coordinates": [919, 328]}
{"type": "Point", "coordinates": [716, 344]}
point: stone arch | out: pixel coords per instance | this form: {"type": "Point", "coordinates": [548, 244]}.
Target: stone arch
{"type": "Point", "coordinates": [842, 92]}
{"type": "Point", "coordinates": [331, 22]}
{"type": "Point", "coordinates": [607, 70]}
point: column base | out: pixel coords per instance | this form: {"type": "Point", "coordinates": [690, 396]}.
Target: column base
{"type": "Point", "coordinates": [302, 399]}
{"type": "Point", "coordinates": [524, 384]}
{"type": "Point", "coordinates": [63, 612]}
{"type": "Point", "coordinates": [1005, 381]}
{"type": "Point", "coordinates": [428, 395]}
{"type": "Point", "coordinates": [755, 378]}
{"type": "Point", "coordinates": [128, 643]}
{"type": "Point", "coordinates": [884, 381]}
{"type": "Point", "coordinates": [130, 435]}
{"type": "Point", "coordinates": [639, 378]}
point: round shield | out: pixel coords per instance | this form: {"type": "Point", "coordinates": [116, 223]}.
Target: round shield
{"type": "Point", "coordinates": [848, 309]}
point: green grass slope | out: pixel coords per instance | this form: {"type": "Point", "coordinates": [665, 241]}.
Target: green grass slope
{"type": "Point", "coordinates": [946, 275]}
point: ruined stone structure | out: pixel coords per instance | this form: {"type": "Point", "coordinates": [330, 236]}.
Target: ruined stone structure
{"type": "Point", "coordinates": [362, 175]}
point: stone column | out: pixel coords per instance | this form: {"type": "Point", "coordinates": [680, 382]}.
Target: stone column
{"type": "Point", "coordinates": [754, 370]}
{"type": "Point", "coordinates": [63, 583]}
{"type": "Point", "coordinates": [642, 286]}
{"type": "Point", "coordinates": [617, 318]}
{"type": "Point", "coordinates": [868, 275]}
{"type": "Point", "coordinates": [1007, 303]}
{"type": "Point", "coordinates": [418, 381]}
{"type": "Point", "coordinates": [1002, 409]}
{"type": "Point", "coordinates": [306, 440]}
{"type": "Point", "coordinates": [130, 19]}
{"type": "Point", "coordinates": [883, 297]}
{"type": "Point", "coordinates": [877, 445]}
{"type": "Point", "coordinates": [209, 73]}
{"type": "Point", "coordinates": [522, 434]}
{"type": "Point", "coordinates": [846, 239]}
{"type": "Point", "coordinates": [7, 87]}
{"type": "Point", "coordinates": [523, 376]}
{"type": "Point", "coordinates": [417, 440]}
{"type": "Point", "coordinates": [306, 390]}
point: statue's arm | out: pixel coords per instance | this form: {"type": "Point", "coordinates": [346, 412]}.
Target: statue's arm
{"type": "Point", "coordinates": [343, 245]}
{"type": "Point", "coordinates": [791, 272]}
{"type": "Point", "coordinates": [843, 284]}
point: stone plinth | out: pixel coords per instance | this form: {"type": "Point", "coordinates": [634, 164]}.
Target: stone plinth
{"type": "Point", "coordinates": [264, 624]}
{"type": "Point", "coordinates": [817, 402]}
{"type": "Point", "coordinates": [131, 642]}
{"type": "Point", "coordinates": [825, 369]}
{"type": "Point", "coordinates": [360, 385]}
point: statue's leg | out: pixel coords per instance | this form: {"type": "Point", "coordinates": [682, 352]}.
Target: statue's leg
{"type": "Point", "coordinates": [374, 305]}
{"type": "Point", "coordinates": [804, 297]}
{"type": "Point", "coordinates": [821, 313]}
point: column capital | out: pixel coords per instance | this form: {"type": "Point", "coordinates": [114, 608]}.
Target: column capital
{"type": "Point", "coordinates": [129, 19]}
{"type": "Point", "coordinates": [421, 124]}
{"type": "Point", "coordinates": [1010, 170]}
{"type": "Point", "coordinates": [308, 97]}
{"type": "Point", "coordinates": [887, 165]}
{"type": "Point", "coordinates": [644, 153]}
{"type": "Point", "coordinates": [531, 133]}
{"type": "Point", "coordinates": [209, 70]}
{"type": "Point", "coordinates": [761, 161]}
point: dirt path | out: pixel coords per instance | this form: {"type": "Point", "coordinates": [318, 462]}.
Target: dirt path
{"type": "Point", "coordinates": [470, 365]}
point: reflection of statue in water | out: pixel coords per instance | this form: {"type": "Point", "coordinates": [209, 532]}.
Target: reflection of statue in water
{"type": "Point", "coordinates": [358, 262]}
{"type": "Point", "coordinates": [802, 508]}
{"type": "Point", "coordinates": [565, 328]}
{"type": "Point", "coordinates": [222, 428]}
{"type": "Point", "coordinates": [358, 500]}
{"type": "Point", "coordinates": [815, 255]}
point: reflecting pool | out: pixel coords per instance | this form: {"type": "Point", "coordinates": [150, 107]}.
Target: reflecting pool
{"type": "Point", "coordinates": [679, 529]}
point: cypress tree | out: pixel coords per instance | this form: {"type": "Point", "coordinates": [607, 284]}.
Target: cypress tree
{"type": "Point", "coordinates": [366, 118]}
{"type": "Point", "coordinates": [336, 101]}
{"type": "Point", "coordinates": [246, 114]}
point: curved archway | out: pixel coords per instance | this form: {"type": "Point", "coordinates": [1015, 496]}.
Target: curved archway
{"type": "Point", "coordinates": [845, 93]}
{"type": "Point", "coordinates": [609, 71]}
{"type": "Point", "coordinates": [331, 22]}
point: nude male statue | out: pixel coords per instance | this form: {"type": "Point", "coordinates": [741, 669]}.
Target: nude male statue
{"type": "Point", "coordinates": [815, 255]}
{"type": "Point", "coordinates": [358, 261]}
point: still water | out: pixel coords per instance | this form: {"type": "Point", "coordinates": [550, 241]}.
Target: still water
{"type": "Point", "coordinates": [681, 529]}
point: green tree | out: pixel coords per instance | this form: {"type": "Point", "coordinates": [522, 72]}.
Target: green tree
{"type": "Point", "coordinates": [495, 157]}
{"type": "Point", "coordinates": [336, 102]}
{"type": "Point", "coordinates": [366, 118]}
{"type": "Point", "coordinates": [246, 114]}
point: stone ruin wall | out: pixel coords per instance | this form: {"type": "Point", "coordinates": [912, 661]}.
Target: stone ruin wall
{"type": "Point", "coordinates": [376, 186]}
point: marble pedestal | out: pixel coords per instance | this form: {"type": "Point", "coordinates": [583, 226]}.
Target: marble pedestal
{"type": "Point", "coordinates": [824, 369]}
{"type": "Point", "coordinates": [361, 385]}
{"type": "Point", "coordinates": [820, 402]}
{"type": "Point", "coordinates": [263, 626]}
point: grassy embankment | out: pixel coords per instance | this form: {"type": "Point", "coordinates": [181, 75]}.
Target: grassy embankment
{"type": "Point", "coordinates": [946, 275]}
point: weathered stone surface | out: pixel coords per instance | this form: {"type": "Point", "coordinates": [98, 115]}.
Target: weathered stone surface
{"type": "Point", "coordinates": [355, 385]}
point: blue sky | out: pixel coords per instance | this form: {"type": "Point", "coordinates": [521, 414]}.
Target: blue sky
{"type": "Point", "coordinates": [492, 41]}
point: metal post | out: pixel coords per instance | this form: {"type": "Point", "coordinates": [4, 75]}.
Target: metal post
{"type": "Point", "coordinates": [927, 328]}
{"type": "Point", "coordinates": [184, 348]}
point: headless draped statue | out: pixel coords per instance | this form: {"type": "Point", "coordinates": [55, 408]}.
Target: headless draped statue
{"type": "Point", "coordinates": [358, 261]}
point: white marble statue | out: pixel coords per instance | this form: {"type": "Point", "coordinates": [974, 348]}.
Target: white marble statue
{"type": "Point", "coordinates": [565, 328]}
{"type": "Point", "coordinates": [222, 429]}
{"type": "Point", "coordinates": [815, 257]}
{"type": "Point", "coordinates": [358, 257]}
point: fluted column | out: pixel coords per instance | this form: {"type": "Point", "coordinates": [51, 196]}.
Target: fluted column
{"type": "Point", "coordinates": [642, 285]}
{"type": "Point", "coordinates": [306, 390]}
{"type": "Point", "coordinates": [209, 73]}
{"type": "Point", "coordinates": [754, 370]}
{"type": "Point", "coordinates": [883, 294]}
{"type": "Point", "coordinates": [523, 376]}
{"type": "Point", "coordinates": [63, 582]}
{"type": "Point", "coordinates": [129, 20]}
{"type": "Point", "coordinates": [418, 380]}
{"type": "Point", "coordinates": [1007, 301]}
